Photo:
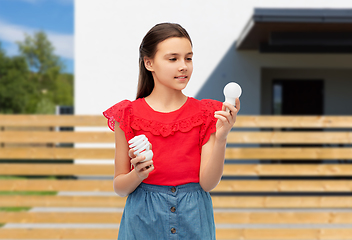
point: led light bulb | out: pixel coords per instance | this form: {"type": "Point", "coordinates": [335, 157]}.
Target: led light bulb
{"type": "Point", "coordinates": [232, 91]}
{"type": "Point", "coordinates": [140, 146]}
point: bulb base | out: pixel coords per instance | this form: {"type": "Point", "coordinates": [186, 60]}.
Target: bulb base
{"type": "Point", "coordinates": [148, 155]}
{"type": "Point", "coordinates": [230, 100]}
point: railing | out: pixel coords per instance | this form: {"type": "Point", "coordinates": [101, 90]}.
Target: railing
{"type": "Point", "coordinates": [285, 178]}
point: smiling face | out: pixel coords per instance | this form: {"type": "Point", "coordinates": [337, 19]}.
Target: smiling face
{"type": "Point", "coordinates": [172, 64]}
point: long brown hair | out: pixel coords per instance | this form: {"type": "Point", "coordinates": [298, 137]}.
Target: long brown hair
{"type": "Point", "coordinates": [148, 48]}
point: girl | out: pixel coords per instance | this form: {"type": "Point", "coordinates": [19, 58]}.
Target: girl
{"type": "Point", "coordinates": [168, 196]}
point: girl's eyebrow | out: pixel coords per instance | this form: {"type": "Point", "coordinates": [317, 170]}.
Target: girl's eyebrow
{"type": "Point", "coordinates": [176, 54]}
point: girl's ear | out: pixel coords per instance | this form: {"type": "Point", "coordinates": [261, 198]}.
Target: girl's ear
{"type": "Point", "coordinates": [148, 63]}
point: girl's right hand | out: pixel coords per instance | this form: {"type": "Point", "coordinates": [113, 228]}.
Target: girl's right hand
{"type": "Point", "coordinates": [142, 168]}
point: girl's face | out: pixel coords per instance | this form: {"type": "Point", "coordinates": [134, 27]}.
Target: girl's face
{"type": "Point", "coordinates": [172, 64]}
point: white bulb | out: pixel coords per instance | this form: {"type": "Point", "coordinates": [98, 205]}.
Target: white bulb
{"type": "Point", "coordinates": [140, 145]}
{"type": "Point", "coordinates": [232, 91]}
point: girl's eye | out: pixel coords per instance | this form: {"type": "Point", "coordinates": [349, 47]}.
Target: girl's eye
{"type": "Point", "coordinates": [172, 59]}
{"type": "Point", "coordinates": [189, 59]}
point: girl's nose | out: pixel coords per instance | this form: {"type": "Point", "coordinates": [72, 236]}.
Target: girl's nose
{"type": "Point", "coordinates": [183, 66]}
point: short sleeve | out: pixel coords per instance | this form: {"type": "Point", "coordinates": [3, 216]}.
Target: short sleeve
{"type": "Point", "coordinates": [122, 113]}
{"type": "Point", "coordinates": [208, 107]}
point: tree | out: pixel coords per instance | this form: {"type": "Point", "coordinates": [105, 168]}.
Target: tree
{"type": "Point", "coordinates": [33, 82]}
{"type": "Point", "coordinates": [17, 94]}
{"type": "Point", "coordinates": [39, 53]}
{"type": "Point", "coordinates": [64, 90]}
{"type": "Point", "coordinates": [56, 88]}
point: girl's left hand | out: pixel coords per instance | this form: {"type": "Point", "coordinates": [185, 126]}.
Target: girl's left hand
{"type": "Point", "coordinates": [226, 119]}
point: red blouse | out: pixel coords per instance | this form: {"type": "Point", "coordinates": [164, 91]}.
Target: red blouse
{"type": "Point", "coordinates": [177, 137]}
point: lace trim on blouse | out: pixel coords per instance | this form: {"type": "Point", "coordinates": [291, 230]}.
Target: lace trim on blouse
{"type": "Point", "coordinates": [158, 128]}
{"type": "Point", "coordinates": [123, 113]}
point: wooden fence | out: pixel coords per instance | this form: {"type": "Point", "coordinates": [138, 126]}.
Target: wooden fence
{"type": "Point", "coordinates": [286, 177]}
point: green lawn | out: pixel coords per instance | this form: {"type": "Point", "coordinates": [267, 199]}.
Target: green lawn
{"type": "Point", "coordinates": [18, 209]}
{"type": "Point", "coordinates": [28, 193]}
{"type": "Point", "coordinates": [14, 209]}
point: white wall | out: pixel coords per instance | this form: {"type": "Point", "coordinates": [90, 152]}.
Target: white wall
{"type": "Point", "coordinates": [108, 34]}
{"type": "Point", "coordinates": [245, 67]}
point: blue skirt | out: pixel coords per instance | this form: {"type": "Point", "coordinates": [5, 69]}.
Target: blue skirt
{"type": "Point", "coordinates": [165, 212]}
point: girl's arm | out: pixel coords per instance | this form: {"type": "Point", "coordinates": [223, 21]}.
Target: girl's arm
{"type": "Point", "coordinates": [213, 152]}
{"type": "Point", "coordinates": [125, 180]}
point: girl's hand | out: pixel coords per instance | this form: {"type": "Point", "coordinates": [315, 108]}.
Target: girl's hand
{"type": "Point", "coordinates": [226, 119]}
{"type": "Point", "coordinates": [142, 168]}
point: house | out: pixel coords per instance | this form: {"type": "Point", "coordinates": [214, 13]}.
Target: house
{"type": "Point", "coordinates": [289, 58]}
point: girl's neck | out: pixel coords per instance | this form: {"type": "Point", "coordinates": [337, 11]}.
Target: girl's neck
{"type": "Point", "coordinates": [166, 102]}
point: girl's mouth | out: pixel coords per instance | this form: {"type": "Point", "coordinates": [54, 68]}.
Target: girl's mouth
{"type": "Point", "coordinates": [181, 77]}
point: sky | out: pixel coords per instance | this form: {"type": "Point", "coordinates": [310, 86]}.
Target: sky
{"type": "Point", "coordinates": [54, 17]}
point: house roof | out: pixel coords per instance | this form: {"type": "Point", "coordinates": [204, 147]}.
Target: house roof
{"type": "Point", "coordinates": [298, 30]}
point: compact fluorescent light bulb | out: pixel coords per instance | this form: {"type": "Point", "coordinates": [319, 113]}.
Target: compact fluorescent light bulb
{"type": "Point", "coordinates": [140, 146]}
{"type": "Point", "coordinates": [232, 91]}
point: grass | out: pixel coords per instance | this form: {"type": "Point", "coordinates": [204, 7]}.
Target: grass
{"type": "Point", "coordinates": [11, 209]}
{"type": "Point", "coordinates": [40, 193]}
{"type": "Point", "coordinates": [14, 209]}
{"type": "Point", "coordinates": [19, 177]}
{"type": "Point", "coordinates": [11, 177]}
{"type": "Point", "coordinates": [26, 193]}
{"type": "Point", "coordinates": [22, 193]}
{"type": "Point", "coordinates": [19, 209]}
